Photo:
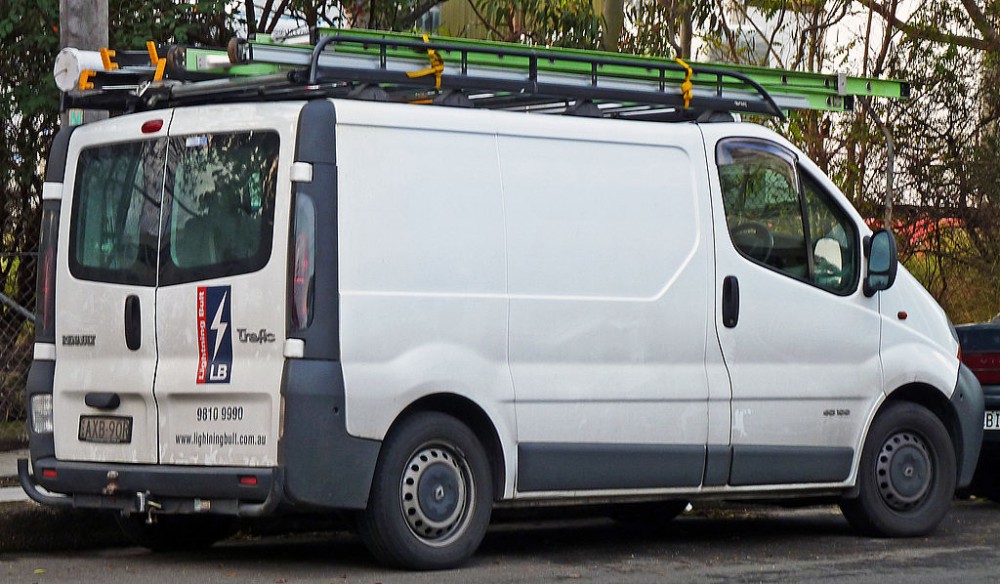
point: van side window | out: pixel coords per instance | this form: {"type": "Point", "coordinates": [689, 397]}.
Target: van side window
{"type": "Point", "coordinates": [782, 220]}
{"type": "Point", "coordinates": [832, 241]}
{"type": "Point", "coordinates": [116, 213]}
{"type": "Point", "coordinates": [221, 205]}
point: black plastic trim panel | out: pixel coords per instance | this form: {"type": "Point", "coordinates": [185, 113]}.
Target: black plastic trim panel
{"type": "Point", "coordinates": [783, 465]}
{"type": "Point", "coordinates": [204, 482]}
{"type": "Point", "coordinates": [324, 466]}
{"type": "Point", "coordinates": [55, 167]}
{"type": "Point", "coordinates": [968, 403]}
{"type": "Point", "coordinates": [718, 461]}
{"type": "Point", "coordinates": [317, 146]}
{"type": "Point", "coordinates": [543, 466]}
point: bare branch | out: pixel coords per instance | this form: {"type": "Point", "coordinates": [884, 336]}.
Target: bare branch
{"type": "Point", "coordinates": [418, 11]}
{"type": "Point", "coordinates": [981, 22]}
{"type": "Point", "coordinates": [930, 34]}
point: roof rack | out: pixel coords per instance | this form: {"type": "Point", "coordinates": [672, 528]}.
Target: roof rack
{"type": "Point", "coordinates": [409, 68]}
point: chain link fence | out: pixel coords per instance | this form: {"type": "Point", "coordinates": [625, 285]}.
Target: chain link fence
{"type": "Point", "coordinates": [17, 336]}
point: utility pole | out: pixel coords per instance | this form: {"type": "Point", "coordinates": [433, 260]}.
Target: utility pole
{"type": "Point", "coordinates": [83, 24]}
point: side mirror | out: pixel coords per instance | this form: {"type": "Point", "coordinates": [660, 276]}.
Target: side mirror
{"type": "Point", "coordinates": [883, 260]}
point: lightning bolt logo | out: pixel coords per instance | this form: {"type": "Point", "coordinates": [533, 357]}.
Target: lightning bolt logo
{"type": "Point", "coordinates": [219, 327]}
{"type": "Point", "coordinates": [215, 338]}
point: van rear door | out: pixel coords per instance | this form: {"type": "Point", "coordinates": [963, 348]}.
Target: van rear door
{"type": "Point", "coordinates": [106, 350]}
{"type": "Point", "coordinates": [221, 300]}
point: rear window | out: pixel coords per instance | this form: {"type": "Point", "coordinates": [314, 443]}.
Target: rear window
{"type": "Point", "coordinates": [116, 213]}
{"type": "Point", "coordinates": [221, 205]}
{"type": "Point", "coordinates": [979, 341]}
{"type": "Point", "coordinates": [217, 195]}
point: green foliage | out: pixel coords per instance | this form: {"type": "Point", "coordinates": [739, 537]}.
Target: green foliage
{"type": "Point", "coordinates": [29, 104]}
{"type": "Point", "coordinates": [205, 22]}
{"type": "Point", "coordinates": [562, 23]}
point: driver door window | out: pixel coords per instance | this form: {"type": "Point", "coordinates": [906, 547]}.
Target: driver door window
{"type": "Point", "coordinates": [783, 221]}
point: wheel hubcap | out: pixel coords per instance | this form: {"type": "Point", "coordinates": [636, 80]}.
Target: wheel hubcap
{"type": "Point", "coordinates": [436, 494]}
{"type": "Point", "coordinates": [903, 471]}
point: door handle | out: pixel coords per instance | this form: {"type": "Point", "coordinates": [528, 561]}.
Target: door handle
{"type": "Point", "coordinates": [730, 301]}
{"type": "Point", "coordinates": [133, 323]}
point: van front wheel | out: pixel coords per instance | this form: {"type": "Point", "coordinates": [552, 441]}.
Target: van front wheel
{"type": "Point", "coordinates": [907, 476]}
{"type": "Point", "coordinates": [431, 496]}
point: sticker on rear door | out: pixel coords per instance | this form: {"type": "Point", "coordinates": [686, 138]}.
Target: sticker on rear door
{"type": "Point", "coordinates": [215, 336]}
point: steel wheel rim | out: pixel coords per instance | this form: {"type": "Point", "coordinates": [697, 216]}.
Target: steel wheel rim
{"type": "Point", "coordinates": [437, 494]}
{"type": "Point", "coordinates": [903, 470]}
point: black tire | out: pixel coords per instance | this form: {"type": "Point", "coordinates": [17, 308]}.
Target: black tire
{"type": "Point", "coordinates": [652, 514]}
{"type": "Point", "coordinates": [431, 496]}
{"type": "Point", "coordinates": [907, 475]}
{"type": "Point", "coordinates": [173, 533]}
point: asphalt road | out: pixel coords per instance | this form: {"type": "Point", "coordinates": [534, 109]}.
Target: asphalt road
{"type": "Point", "coordinates": [724, 544]}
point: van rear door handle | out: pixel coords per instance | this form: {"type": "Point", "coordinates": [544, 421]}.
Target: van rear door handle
{"type": "Point", "coordinates": [133, 323]}
{"type": "Point", "coordinates": [730, 301]}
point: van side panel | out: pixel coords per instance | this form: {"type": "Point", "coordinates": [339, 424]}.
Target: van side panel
{"type": "Point", "coordinates": [911, 348]}
{"type": "Point", "coordinates": [608, 268]}
{"type": "Point", "coordinates": [422, 274]}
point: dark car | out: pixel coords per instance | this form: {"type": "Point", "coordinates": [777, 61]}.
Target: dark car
{"type": "Point", "coordinates": [981, 353]}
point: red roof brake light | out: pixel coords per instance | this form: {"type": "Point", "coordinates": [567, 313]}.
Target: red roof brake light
{"type": "Point", "coordinates": [152, 126]}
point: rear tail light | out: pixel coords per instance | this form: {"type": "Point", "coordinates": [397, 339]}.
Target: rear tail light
{"type": "Point", "coordinates": [45, 299]}
{"type": "Point", "coordinates": [303, 268]}
{"type": "Point", "coordinates": [985, 366]}
{"type": "Point", "coordinates": [41, 413]}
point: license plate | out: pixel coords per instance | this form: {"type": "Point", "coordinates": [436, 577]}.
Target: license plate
{"type": "Point", "coordinates": [992, 420]}
{"type": "Point", "coordinates": [106, 429]}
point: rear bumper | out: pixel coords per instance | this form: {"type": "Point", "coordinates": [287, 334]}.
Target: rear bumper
{"type": "Point", "coordinates": [245, 492]}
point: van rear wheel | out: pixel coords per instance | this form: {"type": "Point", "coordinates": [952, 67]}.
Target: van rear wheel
{"type": "Point", "coordinates": [431, 497]}
{"type": "Point", "coordinates": [907, 475]}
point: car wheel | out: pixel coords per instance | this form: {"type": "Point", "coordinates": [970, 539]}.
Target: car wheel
{"type": "Point", "coordinates": [907, 475]}
{"type": "Point", "coordinates": [431, 496]}
{"type": "Point", "coordinates": [171, 533]}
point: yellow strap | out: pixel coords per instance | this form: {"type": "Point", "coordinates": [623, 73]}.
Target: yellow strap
{"type": "Point", "coordinates": [154, 58]}
{"type": "Point", "coordinates": [151, 49]}
{"type": "Point", "coordinates": [687, 85]}
{"type": "Point", "coordinates": [106, 55]}
{"type": "Point", "coordinates": [436, 68]}
{"type": "Point", "coordinates": [85, 82]}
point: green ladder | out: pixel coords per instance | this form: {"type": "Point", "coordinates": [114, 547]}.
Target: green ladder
{"type": "Point", "coordinates": [410, 68]}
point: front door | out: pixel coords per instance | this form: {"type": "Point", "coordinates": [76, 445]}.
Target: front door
{"type": "Point", "coordinates": [799, 338]}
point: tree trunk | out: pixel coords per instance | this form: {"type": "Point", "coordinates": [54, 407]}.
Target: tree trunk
{"type": "Point", "coordinates": [614, 24]}
{"type": "Point", "coordinates": [83, 24]}
{"type": "Point", "coordinates": [685, 30]}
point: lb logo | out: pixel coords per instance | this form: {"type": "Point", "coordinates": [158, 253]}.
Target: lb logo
{"type": "Point", "coordinates": [215, 335]}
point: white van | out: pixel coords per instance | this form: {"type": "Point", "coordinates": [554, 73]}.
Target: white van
{"type": "Point", "coordinates": [415, 313]}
